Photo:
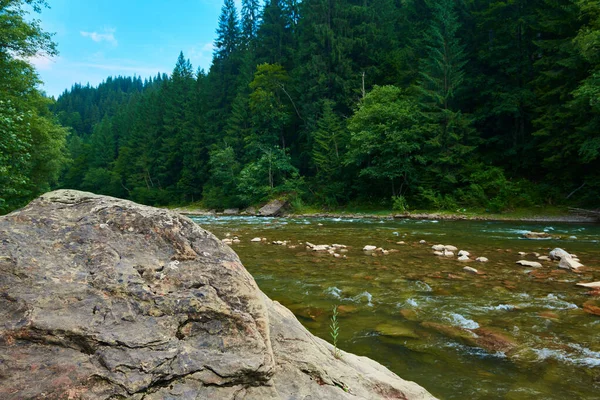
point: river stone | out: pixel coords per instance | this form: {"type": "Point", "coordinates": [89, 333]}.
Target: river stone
{"type": "Point", "coordinates": [463, 258]}
{"type": "Point", "coordinates": [448, 253]}
{"type": "Point", "coordinates": [274, 208]}
{"type": "Point", "coordinates": [438, 247]}
{"type": "Point", "coordinates": [532, 264]}
{"type": "Point", "coordinates": [569, 263]}
{"type": "Point", "coordinates": [558, 254]}
{"type": "Point", "coordinates": [470, 270]}
{"type": "Point", "coordinates": [463, 253]}
{"type": "Point", "coordinates": [103, 298]}
{"type": "Point", "coordinates": [369, 248]}
{"type": "Point", "coordinates": [255, 240]}
{"type": "Point", "coordinates": [481, 259]}
{"type": "Point", "coordinates": [593, 285]}
{"type": "Point", "coordinates": [231, 211]}
{"type": "Point", "coordinates": [450, 248]}
{"type": "Point", "coordinates": [537, 235]}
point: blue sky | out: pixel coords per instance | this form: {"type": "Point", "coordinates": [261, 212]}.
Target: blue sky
{"type": "Point", "coordinates": [101, 38]}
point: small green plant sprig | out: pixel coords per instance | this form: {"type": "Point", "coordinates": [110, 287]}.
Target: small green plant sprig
{"type": "Point", "coordinates": [334, 332]}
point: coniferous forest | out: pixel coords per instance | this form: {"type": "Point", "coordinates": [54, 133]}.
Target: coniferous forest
{"type": "Point", "coordinates": [428, 104]}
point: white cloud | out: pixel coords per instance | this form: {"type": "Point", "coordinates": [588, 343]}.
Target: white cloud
{"type": "Point", "coordinates": [107, 36]}
{"type": "Point", "coordinates": [122, 68]}
{"type": "Point", "coordinates": [42, 62]}
{"type": "Point", "coordinates": [201, 55]}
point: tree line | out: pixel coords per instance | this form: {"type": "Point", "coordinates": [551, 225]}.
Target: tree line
{"type": "Point", "coordinates": [417, 103]}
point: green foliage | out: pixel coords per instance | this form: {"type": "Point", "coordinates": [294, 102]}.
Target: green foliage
{"type": "Point", "coordinates": [221, 190]}
{"type": "Point", "coordinates": [399, 203]}
{"type": "Point", "coordinates": [270, 175]}
{"type": "Point", "coordinates": [431, 199]}
{"type": "Point", "coordinates": [302, 101]}
{"type": "Point", "coordinates": [31, 142]}
{"type": "Point", "coordinates": [386, 138]}
{"type": "Point", "coordinates": [334, 332]}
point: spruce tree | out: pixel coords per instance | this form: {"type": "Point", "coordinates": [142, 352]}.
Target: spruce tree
{"type": "Point", "coordinates": [441, 80]}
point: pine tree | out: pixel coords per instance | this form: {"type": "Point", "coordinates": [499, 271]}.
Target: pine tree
{"type": "Point", "coordinates": [228, 32]}
{"type": "Point", "coordinates": [441, 79]}
{"type": "Point", "coordinates": [250, 21]}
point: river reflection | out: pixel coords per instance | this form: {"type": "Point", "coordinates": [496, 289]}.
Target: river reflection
{"type": "Point", "coordinates": [507, 332]}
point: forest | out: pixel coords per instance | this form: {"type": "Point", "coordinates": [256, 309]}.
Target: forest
{"type": "Point", "coordinates": [410, 104]}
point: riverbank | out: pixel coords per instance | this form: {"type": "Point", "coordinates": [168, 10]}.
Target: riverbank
{"type": "Point", "coordinates": [525, 215]}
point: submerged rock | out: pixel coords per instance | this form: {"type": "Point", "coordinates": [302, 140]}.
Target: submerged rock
{"type": "Point", "coordinates": [104, 298]}
{"type": "Point", "coordinates": [470, 270]}
{"type": "Point", "coordinates": [395, 330]}
{"type": "Point", "coordinates": [591, 307]}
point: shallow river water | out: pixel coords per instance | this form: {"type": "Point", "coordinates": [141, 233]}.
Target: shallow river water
{"type": "Point", "coordinates": [509, 332]}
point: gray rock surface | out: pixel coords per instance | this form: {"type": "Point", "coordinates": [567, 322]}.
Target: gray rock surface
{"type": "Point", "coordinates": [103, 298]}
{"type": "Point", "coordinates": [274, 208]}
{"type": "Point", "coordinates": [558, 254]}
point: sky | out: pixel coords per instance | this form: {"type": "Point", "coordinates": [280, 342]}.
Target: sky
{"type": "Point", "coordinates": [101, 38]}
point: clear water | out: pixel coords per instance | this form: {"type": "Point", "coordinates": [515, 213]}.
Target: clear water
{"type": "Point", "coordinates": [410, 310]}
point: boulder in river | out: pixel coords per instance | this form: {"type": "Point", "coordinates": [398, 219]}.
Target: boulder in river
{"type": "Point", "coordinates": [481, 259]}
{"type": "Point", "coordinates": [566, 260]}
{"type": "Point", "coordinates": [274, 208]}
{"type": "Point", "coordinates": [557, 254]}
{"type": "Point", "coordinates": [369, 248]}
{"type": "Point", "coordinates": [569, 263]}
{"type": "Point", "coordinates": [103, 299]}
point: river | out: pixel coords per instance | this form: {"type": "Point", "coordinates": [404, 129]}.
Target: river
{"type": "Point", "coordinates": [508, 332]}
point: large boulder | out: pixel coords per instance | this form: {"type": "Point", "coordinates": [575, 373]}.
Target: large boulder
{"type": "Point", "coordinates": [274, 208]}
{"type": "Point", "coordinates": [104, 298]}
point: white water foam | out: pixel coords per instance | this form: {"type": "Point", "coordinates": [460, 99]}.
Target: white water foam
{"type": "Point", "coordinates": [459, 320]}
{"type": "Point", "coordinates": [586, 357]}
{"type": "Point", "coordinates": [552, 302]}
{"type": "Point", "coordinates": [334, 291]}
{"type": "Point", "coordinates": [423, 287]}
{"type": "Point", "coordinates": [412, 302]}
{"type": "Point", "coordinates": [501, 307]}
{"type": "Point", "coordinates": [363, 295]}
